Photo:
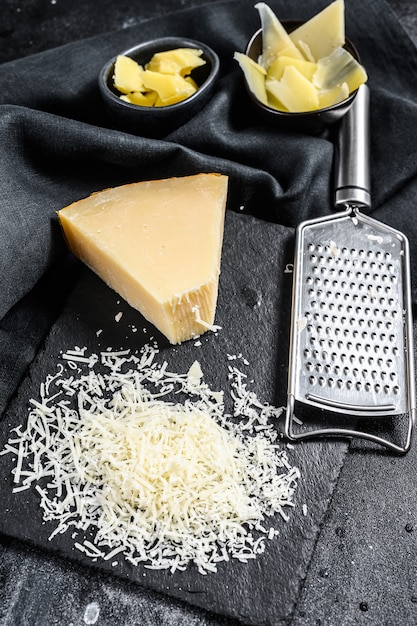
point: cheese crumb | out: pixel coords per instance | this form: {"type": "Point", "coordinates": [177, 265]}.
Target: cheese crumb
{"type": "Point", "coordinates": [91, 613]}
{"type": "Point", "coordinates": [213, 327]}
{"type": "Point", "coordinates": [301, 324]}
{"type": "Point", "coordinates": [378, 238]}
{"type": "Point", "coordinates": [334, 249]}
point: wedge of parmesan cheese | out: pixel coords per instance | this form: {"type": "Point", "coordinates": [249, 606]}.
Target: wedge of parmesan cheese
{"type": "Point", "coordinates": [157, 244]}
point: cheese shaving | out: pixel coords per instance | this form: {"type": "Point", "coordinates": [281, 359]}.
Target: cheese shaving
{"type": "Point", "coordinates": [128, 471]}
{"type": "Point", "coordinates": [199, 320]}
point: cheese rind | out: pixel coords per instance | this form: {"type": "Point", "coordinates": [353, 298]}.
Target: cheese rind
{"type": "Point", "coordinates": [158, 244]}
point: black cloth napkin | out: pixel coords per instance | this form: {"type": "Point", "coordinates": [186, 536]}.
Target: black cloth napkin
{"type": "Point", "coordinates": [59, 145]}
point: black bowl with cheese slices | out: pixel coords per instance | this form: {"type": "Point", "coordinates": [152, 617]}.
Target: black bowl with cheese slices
{"type": "Point", "coordinates": [153, 121]}
{"type": "Point", "coordinates": [307, 121]}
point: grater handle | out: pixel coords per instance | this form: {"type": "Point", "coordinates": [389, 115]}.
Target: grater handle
{"type": "Point", "coordinates": [352, 161]}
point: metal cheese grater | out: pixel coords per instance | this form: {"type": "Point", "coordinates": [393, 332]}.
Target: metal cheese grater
{"type": "Point", "coordinates": [351, 349]}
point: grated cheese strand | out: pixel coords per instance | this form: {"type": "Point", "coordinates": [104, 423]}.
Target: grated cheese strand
{"type": "Point", "coordinates": [131, 472]}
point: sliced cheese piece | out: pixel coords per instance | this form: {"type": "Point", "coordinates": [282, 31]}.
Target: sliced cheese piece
{"type": "Point", "coordinates": [255, 76]}
{"type": "Point", "coordinates": [294, 90]}
{"type": "Point", "coordinates": [158, 244]}
{"type": "Point", "coordinates": [324, 32]}
{"type": "Point", "coordinates": [329, 97]}
{"type": "Point", "coordinates": [276, 70]}
{"type": "Point", "coordinates": [275, 39]}
{"type": "Point", "coordinates": [127, 75]}
{"type": "Point", "coordinates": [169, 87]}
{"type": "Point", "coordinates": [306, 51]}
{"type": "Point", "coordinates": [338, 68]}
{"type": "Point", "coordinates": [145, 99]}
{"type": "Point", "coordinates": [178, 61]}
{"type": "Point", "coordinates": [189, 79]}
{"type": "Point", "coordinates": [274, 103]}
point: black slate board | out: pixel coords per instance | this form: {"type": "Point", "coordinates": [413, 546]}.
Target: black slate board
{"type": "Point", "coordinates": [253, 311]}
{"type": "Point", "coordinates": [367, 580]}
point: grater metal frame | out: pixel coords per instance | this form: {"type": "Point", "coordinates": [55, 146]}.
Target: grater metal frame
{"type": "Point", "coordinates": [330, 272]}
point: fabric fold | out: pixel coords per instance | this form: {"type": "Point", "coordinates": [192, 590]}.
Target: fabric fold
{"type": "Point", "coordinates": [59, 144]}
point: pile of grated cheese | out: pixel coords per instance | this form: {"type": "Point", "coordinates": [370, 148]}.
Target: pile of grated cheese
{"type": "Point", "coordinates": [142, 463]}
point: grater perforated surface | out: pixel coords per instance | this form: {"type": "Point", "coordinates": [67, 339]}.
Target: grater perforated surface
{"type": "Point", "coordinates": [348, 342]}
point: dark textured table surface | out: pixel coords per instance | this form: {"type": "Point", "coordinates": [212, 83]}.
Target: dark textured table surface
{"type": "Point", "coordinates": [37, 588]}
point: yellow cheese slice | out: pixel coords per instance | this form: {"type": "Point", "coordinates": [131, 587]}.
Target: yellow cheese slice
{"type": "Point", "coordinates": [275, 39]}
{"type": "Point", "coordinates": [338, 68]}
{"type": "Point", "coordinates": [169, 87]}
{"type": "Point", "coordinates": [276, 70]}
{"type": "Point", "coordinates": [255, 76]}
{"type": "Point", "coordinates": [158, 244]}
{"type": "Point", "coordinates": [294, 90]}
{"type": "Point", "coordinates": [145, 99]}
{"type": "Point", "coordinates": [329, 97]}
{"type": "Point", "coordinates": [324, 32]}
{"type": "Point", "coordinates": [127, 75]}
{"type": "Point", "coordinates": [178, 61]}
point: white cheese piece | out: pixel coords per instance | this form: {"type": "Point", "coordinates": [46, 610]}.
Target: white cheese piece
{"type": "Point", "coordinates": [276, 70]}
{"type": "Point", "coordinates": [329, 97]}
{"type": "Point", "coordinates": [254, 74]}
{"type": "Point", "coordinates": [324, 32]}
{"type": "Point", "coordinates": [338, 68]}
{"type": "Point", "coordinates": [294, 90]}
{"type": "Point", "coordinates": [275, 39]}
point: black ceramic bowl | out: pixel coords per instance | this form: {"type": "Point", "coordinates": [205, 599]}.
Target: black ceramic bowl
{"type": "Point", "coordinates": [158, 121]}
{"type": "Point", "coordinates": [309, 121]}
